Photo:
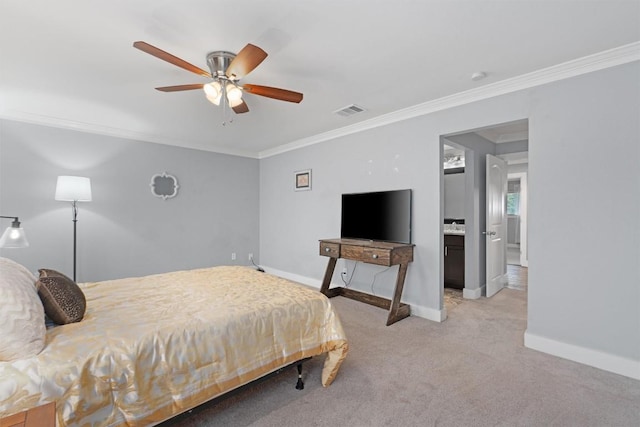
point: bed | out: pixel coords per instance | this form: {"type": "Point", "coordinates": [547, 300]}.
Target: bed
{"type": "Point", "coordinates": [152, 347]}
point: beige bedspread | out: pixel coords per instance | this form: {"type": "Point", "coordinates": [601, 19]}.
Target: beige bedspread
{"type": "Point", "coordinates": [152, 347]}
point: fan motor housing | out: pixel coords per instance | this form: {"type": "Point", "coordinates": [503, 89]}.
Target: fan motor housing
{"type": "Point", "coordinates": [219, 61]}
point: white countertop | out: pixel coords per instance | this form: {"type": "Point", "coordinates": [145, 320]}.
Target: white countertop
{"type": "Point", "coordinates": [454, 229]}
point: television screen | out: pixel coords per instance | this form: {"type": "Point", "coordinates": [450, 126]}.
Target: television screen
{"type": "Point", "coordinates": [382, 215]}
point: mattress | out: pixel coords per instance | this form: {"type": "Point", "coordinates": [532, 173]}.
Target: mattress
{"type": "Point", "coordinates": [152, 347]}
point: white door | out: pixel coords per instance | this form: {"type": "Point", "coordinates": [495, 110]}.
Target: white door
{"type": "Point", "coordinates": [496, 227]}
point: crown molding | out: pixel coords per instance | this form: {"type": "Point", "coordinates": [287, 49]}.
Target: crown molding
{"type": "Point", "coordinates": [598, 61]}
{"type": "Point", "coordinates": [57, 122]}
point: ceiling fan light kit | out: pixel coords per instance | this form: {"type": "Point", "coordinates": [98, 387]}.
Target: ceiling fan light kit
{"type": "Point", "coordinates": [227, 69]}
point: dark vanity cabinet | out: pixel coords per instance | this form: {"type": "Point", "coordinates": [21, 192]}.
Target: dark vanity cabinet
{"type": "Point", "coordinates": [454, 261]}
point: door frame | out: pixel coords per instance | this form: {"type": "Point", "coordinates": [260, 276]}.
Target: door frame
{"type": "Point", "coordinates": [524, 255]}
{"type": "Point", "coordinates": [475, 257]}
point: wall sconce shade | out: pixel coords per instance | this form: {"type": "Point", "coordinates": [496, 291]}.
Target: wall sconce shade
{"type": "Point", "coordinates": [14, 236]}
{"type": "Point", "coordinates": [73, 189]}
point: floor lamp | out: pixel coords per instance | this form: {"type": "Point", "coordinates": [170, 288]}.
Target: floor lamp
{"type": "Point", "coordinates": [73, 189]}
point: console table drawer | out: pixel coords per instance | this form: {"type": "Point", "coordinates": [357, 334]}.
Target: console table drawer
{"type": "Point", "coordinates": [377, 256]}
{"type": "Point", "coordinates": [351, 252]}
{"type": "Point", "coordinates": [330, 249]}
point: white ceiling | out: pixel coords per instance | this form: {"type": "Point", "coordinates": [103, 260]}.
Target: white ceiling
{"type": "Point", "coordinates": [71, 63]}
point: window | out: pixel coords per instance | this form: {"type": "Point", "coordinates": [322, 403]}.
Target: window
{"type": "Point", "coordinates": [513, 197]}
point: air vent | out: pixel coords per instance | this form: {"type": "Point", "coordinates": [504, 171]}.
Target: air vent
{"type": "Point", "coordinates": [349, 110]}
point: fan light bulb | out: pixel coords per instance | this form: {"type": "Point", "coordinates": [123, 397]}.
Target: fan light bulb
{"type": "Point", "coordinates": [233, 94]}
{"type": "Point", "coordinates": [213, 92]}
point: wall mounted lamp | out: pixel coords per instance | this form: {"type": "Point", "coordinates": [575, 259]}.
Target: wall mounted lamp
{"type": "Point", "coordinates": [73, 189]}
{"type": "Point", "coordinates": [14, 236]}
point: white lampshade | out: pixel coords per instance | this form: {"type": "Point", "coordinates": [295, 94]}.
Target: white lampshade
{"type": "Point", "coordinates": [14, 237]}
{"type": "Point", "coordinates": [233, 93]}
{"type": "Point", "coordinates": [213, 91]}
{"type": "Point", "coordinates": [73, 189]}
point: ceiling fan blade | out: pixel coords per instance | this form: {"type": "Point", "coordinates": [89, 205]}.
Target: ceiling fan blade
{"type": "Point", "coordinates": [245, 61]}
{"type": "Point", "coordinates": [165, 56]}
{"type": "Point", "coordinates": [273, 92]}
{"type": "Point", "coordinates": [241, 108]}
{"type": "Point", "coordinates": [180, 87]}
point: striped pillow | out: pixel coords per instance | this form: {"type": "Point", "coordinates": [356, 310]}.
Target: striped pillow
{"type": "Point", "coordinates": [22, 329]}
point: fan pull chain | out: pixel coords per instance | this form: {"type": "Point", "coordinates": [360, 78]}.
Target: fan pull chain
{"type": "Point", "coordinates": [227, 116]}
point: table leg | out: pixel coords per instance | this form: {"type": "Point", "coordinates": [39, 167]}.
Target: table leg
{"type": "Point", "coordinates": [396, 311]}
{"type": "Point", "coordinates": [328, 274]}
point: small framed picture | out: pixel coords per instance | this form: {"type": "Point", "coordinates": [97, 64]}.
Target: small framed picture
{"type": "Point", "coordinates": [303, 180]}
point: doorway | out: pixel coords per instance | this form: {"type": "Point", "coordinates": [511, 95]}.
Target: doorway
{"type": "Point", "coordinates": [508, 141]}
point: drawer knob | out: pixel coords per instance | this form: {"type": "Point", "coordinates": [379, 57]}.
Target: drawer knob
{"type": "Point", "coordinates": [327, 249]}
{"type": "Point", "coordinates": [375, 256]}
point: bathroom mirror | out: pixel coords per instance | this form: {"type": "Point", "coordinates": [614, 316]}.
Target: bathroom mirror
{"type": "Point", "coordinates": [164, 185]}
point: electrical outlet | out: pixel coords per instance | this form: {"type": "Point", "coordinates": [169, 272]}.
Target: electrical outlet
{"type": "Point", "coordinates": [233, 256]}
{"type": "Point", "coordinates": [344, 271]}
{"type": "Point", "coordinates": [250, 257]}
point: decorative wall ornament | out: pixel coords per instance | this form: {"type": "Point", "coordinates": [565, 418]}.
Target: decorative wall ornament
{"type": "Point", "coordinates": [303, 180]}
{"type": "Point", "coordinates": [164, 185]}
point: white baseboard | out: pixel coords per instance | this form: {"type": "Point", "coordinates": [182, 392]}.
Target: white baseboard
{"type": "Point", "coordinates": [416, 310]}
{"type": "Point", "coordinates": [429, 313]}
{"type": "Point", "coordinates": [597, 359]}
{"type": "Point", "coordinates": [473, 293]}
{"type": "Point", "coordinates": [315, 283]}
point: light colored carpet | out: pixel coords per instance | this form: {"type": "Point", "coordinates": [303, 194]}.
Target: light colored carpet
{"type": "Point", "coordinates": [471, 370]}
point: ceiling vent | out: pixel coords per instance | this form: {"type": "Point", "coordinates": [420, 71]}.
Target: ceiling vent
{"type": "Point", "coordinates": [349, 110]}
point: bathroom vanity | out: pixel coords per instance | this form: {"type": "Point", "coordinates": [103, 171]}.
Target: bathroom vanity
{"type": "Point", "coordinates": [454, 255]}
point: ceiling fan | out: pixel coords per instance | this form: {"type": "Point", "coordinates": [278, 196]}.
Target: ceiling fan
{"type": "Point", "coordinates": [226, 71]}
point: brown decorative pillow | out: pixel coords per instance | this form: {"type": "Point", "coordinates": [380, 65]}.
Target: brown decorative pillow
{"type": "Point", "coordinates": [46, 272]}
{"type": "Point", "coordinates": [62, 298]}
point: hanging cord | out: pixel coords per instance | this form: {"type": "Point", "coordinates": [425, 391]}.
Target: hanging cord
{"type": "Point", "coordinates": [260, 269]}
{"type": "Point", "coordinates": [348, 282]}
{"type": "Point", "coordinates": [375, 276]}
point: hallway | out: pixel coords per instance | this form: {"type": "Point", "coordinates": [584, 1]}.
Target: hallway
{"type": "Point", "coordinates": [518, 277]}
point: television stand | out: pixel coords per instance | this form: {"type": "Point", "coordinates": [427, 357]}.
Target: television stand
{"type": "Point", "coordinates": [370, 252]}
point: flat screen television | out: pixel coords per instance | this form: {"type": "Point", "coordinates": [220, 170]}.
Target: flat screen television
{"type": "Point", "coordinates": [381, 215]}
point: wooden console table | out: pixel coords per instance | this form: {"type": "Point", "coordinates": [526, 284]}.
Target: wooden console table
{"type": "Point", "coordinates": [370, 252]}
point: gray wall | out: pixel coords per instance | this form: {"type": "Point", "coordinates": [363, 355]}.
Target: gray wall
{"type": "Point", "coordinates": [583, 278]}
{"type": "Point", "coordinates": [125, 231]}
{"type": "Point", "coordinates": [584, 274]}
{"type": "Point", "coordinates": [518, 168]}
{"type": "Point", "coordinates": [512, 147]}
